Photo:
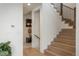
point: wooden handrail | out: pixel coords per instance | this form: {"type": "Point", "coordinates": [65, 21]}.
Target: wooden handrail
{"type": "Point", "coordinates": [36, 36]}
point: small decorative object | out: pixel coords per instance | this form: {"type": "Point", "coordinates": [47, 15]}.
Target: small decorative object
{"type": "Point", "coordinates": [5, 49]}
{"type": "Point", "coordinates": [29, 30]}
{"type": "Point", "coordinates": [28, 22]}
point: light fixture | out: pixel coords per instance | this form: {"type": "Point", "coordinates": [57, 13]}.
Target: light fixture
{"type": "Point", "coordinates": [28, 4]}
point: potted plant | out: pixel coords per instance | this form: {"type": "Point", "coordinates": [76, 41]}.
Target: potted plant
{"type": "Point", "coordinates": [5, 49]}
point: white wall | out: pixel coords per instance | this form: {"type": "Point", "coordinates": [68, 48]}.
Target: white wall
{"type": "Point", "coordinates": [50, 25]}
{"type": "Point", "coordinates": [36, 28]}
{"type": "Point", "coordinates": [57, 6]}
{"type": "Point", "coordinates": [12, 14]}
{"type": "Point", "coordinates": [37, 23]}
{"type": "Point", "coordinates": [29, 15]}
{"type": "Point", "coordinates": [77, 29]}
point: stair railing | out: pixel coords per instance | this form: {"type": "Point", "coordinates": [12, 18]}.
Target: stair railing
{"type": "Point", "coordinates": [36, 36]}
{"type": "Point", "coordinates": [70, 14]}
{"type": "Point", "coordinates": [66, 12]}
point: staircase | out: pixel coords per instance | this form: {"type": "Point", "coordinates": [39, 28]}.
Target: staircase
{"type": "Point", "coordinates": [60, 7]}
{"type": "Point", "coordinates": [64, 43]}
{"type": "Point", "coordinates": [68, 21]}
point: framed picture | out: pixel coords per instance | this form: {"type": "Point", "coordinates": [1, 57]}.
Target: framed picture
{"type": "Point", "coordinates": [28, 22]}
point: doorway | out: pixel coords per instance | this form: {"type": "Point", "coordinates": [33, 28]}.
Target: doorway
{"type": "Point", "coordinates": [31, 30]}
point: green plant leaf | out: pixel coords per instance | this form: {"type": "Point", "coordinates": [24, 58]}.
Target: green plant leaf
{"type": "Point", "coordinates": [5, 49]}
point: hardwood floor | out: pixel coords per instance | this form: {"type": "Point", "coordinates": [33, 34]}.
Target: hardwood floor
{"type": "Point", "coordinates": [31, 52]}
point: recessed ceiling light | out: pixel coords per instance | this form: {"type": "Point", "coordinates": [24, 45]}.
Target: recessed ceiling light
{"type": "Point", "coordinates": [28, 4]}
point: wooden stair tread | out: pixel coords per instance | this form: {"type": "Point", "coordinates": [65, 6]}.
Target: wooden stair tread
{"type": "Point", "coordinates": [62, 33]}
{"type": "Point", "coordinates": [71, 42]}
{"type": "Point", "coordinates": [68, 30]}
{"type": "Point", "coordinates": [60, 43]}
{"type": "Point", "coordinates": [61, 51]}
{"type": "Point", "coordinates": [66, 37]}
{"type": "Point", "coordinates": [66, 40]}
{"type": "Point", "coordinates": [63, 45]}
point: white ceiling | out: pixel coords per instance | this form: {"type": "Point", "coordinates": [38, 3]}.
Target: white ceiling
{"type": "Point", "coordinates": [27, 9]}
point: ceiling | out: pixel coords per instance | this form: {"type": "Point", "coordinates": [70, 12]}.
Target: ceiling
{"type": "Point", "coordinates": [27, 9]}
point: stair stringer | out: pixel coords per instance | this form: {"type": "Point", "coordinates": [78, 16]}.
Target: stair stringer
{"type": "Point", "coordinates": [63, 26]}
{"type": "Point", "coordinates": [56, 20]}
{"type": "Point", "coordinates": [57, 32]}
{"type": "Point", "coordinates": [60, 18]}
